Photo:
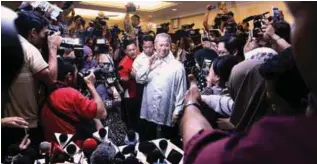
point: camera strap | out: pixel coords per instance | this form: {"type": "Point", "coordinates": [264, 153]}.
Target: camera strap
{"type": "Point", "coordinates": [59, 114]}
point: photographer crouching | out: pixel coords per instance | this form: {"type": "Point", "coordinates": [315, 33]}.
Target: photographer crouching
{"type": "Point", "coordinates": [20, 115]}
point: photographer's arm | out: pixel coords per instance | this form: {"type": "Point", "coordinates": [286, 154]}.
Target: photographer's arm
{"type": "Point", "coordinates": [280, 42]}
{"type": "Point", "coordinates": [49, 75]}
{"type": "Point", "coordinates": [101, 110]}
{"type": "Point", "coordinates": [127, 24]}
{"type": "Point", "coordinates": [205, 22]}
{"type": "Point", "coordinates": [43, 72]}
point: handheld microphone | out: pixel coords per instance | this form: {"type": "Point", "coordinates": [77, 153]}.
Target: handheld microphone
{"type": "Point", "coordinates": [88, 146]}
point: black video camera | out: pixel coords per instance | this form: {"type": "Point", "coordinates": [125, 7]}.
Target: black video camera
{"type": "Point", "coordinates": [104, 73]}
{"type": "Point", "coordinates": [257, 23]}
{"type": "Point", "coordinates": [164, 28]}
{"type": "Point", "coordinates": [101, 46]}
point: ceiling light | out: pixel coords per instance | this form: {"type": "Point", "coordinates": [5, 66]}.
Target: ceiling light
{"type": "Point", "coordinates": [141, 5]}
{"type": "Point", "coordinates": [174, 9]}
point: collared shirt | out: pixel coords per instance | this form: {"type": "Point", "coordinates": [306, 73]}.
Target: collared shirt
{"type": "Point", "coordinates": [139, 62]}
{"type": "Point", "coordinates": [24, 90]}
{"type": "Point", "coordinates": [165, 87]}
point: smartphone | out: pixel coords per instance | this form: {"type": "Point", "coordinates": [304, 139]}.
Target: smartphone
{"type": "Point", "coordinates": [276, 13]}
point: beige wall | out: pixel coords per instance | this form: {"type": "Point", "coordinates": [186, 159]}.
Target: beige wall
{"type": "Point", "coordinates": [241, 11]}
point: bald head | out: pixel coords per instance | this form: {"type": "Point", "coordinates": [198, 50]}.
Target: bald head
{"type": "Point", "coordinates": [304, 35]}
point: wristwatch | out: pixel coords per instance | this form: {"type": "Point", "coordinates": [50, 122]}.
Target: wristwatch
{"type": "Point", "coordinates": [189, 103]}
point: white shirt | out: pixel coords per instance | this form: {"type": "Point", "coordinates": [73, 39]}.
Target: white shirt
{"type": "Point", "coordinates": [164, 90]}
{"type": "Point", "coordinates": [139, 62]}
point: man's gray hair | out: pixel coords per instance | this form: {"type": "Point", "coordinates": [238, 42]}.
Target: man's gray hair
{"type": "Point", "coordinates": [165, 36]}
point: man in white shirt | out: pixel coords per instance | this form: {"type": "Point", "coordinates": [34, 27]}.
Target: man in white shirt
{"type": "Point", "coordinates": [165, 87]}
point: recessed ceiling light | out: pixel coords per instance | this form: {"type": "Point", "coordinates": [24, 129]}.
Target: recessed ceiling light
{"type": "Point", "coordinates": [174, 9]}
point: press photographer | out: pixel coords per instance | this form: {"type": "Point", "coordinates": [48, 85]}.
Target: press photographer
{"type": "Point", "coordinates": [80, 115]}
{"type": "Point", "coordinates": [32, 28]}
{"type": "Point", "coordinates": [133, 27]}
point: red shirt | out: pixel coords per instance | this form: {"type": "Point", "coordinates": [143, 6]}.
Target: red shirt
{"type": "Point", "coordinates": [125, 72]}
{"type": "Point", "coordinates": [69, 101]}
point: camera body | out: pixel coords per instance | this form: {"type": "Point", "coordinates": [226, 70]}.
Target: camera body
{"type": "Point", "coordinates": [164, 28]}
{"type": "Point", "coordinates": [131, 7]}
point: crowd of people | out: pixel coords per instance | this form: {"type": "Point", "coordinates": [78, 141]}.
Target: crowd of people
{"type": "Point", "coordinates": [240, 95]}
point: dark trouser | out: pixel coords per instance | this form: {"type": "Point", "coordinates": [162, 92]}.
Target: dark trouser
{"type": "Point", "coordinates": [150, 131]}
{"type": "Point", "coordinates": [131, 112]}
{"type": "Point", "coordinates": [11, 136]}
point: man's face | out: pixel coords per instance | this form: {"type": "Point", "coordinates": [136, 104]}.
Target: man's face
{"type": "Point", "coordinates": [131, 51]}
{"type": "Point", "coordinates": [38, 38]}
{"type": "Point", "coordinates": [148, 48]}
{"type": "Point", "coordinates": [135, 21]}
{"type": "Point", "coordinates": [162, 47]}
{"type": "Point", "coordinates": [304, 36]}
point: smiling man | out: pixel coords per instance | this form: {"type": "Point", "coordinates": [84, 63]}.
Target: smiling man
{"type": "Point", "coordinates": [165, 86]}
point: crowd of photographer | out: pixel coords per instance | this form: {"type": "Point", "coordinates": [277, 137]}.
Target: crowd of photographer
{"type": "Point", "coordinates": [76, 93]}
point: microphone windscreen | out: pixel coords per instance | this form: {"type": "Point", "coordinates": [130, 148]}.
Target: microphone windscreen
{"type": "Point", "coordinates": [154, 156]}
{"type": "Point", "coordinates": [102, 132]}
{"type": "Point", "coordinates": [104, 153]}
{"type": "Point", "coordinates": [71, 149]}
{"type": "Point", "coordinates": [163, 144]}
{"type": "Point", "coordinates": [89, 145]}
{"type": "Point", "coordinates": [128, 149]}
{"type": "Point", "coordinates": [146, 147]}
{"type": "Point", "coordinates": [63, 138]}
{"type": "Point", "coordinates": [45, 147]}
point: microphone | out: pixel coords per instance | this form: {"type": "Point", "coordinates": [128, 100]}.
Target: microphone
{"type": "Point", "coordinates": [105, 153]}
{"type": "Point", "coordinates": [88, 146]}
{"type": "Point", "coordinates": [163, 145]}
{"type": "Point", "coordinates": [45, 147]}
{"type": "Point", "coordinates": [102, 133]}
{"type": "Point", "coordinates": [63, 139]}
{"type": "Point", "coordinates": [132, 138]}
